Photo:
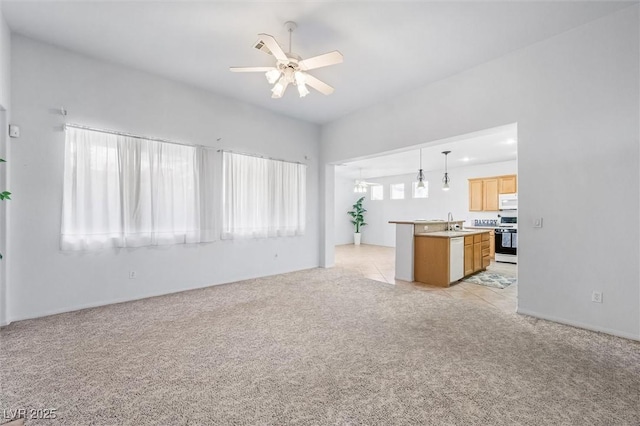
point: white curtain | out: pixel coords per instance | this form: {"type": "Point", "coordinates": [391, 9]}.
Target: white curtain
{"type": "Point", "coordinates": [262, 197]}
{"type": "Point", "coordinates": [122, 191]}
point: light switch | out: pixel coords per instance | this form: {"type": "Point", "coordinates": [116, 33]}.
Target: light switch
{"type": "Point", "coordinates": [14, 131]}
{"type": "Point", "coordinates": [537, 223]}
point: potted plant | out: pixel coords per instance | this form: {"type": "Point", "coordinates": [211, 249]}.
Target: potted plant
{"type": "Point", "coordinates": [4, 195]}
{"type": "Point", "coordinates": [357, 218]}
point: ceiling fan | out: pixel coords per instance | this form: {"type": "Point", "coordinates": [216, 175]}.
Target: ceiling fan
{"type": "Point", "coordinates": [361, 185]}
{"type": "Point", "coordinates": [291, 68]}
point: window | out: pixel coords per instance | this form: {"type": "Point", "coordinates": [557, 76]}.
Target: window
{"type": "Point", "coordinates": [396, 191]}
{"type": "Point", "coordinates": [421, 192]}
{"type": "Point", "coordinates": [377, 192]}
{"type": "Point", "coordinates": [262, 197]}
{"type": "Point", "coordinates": [123, 191]}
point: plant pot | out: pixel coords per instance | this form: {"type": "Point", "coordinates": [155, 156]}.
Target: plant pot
{"type": "Point", "coordinates": [356, 238]}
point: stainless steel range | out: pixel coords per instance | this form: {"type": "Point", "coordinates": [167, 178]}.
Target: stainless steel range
{"type": "Point", "coordinates": [507, 240]}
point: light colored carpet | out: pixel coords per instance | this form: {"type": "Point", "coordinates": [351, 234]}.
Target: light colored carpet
{"type": "Point", "coordinates": [491, 279]}
{"type": "Point", "coordinates": [315, 347]}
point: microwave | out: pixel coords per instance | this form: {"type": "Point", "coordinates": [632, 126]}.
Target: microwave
{"type": "Point", "coordinates": [508, 201]}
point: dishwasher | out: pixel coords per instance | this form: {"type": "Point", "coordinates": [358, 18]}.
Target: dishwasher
{"type": "Point", "coordinates": [456, 259]}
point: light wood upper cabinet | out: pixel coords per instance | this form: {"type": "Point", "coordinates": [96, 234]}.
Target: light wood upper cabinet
{"type": "Point", "coordinates": [483, 192]}
{"type": "Point", "coordinates": [490, 194]}
{"type": "Point", "coordinates": [476, 197]}
{"type": "Point", "coordinates": [507, 184]}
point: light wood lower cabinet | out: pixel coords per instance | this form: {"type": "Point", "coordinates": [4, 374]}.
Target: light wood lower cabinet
{"type": "Point", "coordinates": [477, 255]}
{"type": "Point", "coordinates": [431, 257]}
{"type": "Point", "coordinates": [431, 261]}
{"type": "Point", "coordinates": [486, 250]}
{"type": "Point", "coordinates": [468, 256]}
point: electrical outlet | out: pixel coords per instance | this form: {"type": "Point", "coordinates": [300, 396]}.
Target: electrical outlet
{"type": "Point", "coordinates": [596, 297]}
{"type": "Point", "coordinates": [537, 222]}
{"type": "Point", "coordinates": [132, 275]}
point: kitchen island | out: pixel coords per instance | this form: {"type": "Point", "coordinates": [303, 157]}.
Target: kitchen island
{"type": "Point", "coordinates": [442, 258]}
{"type": "Point", "coordinates": [426, 251]}
{"type": "Point", "coordinates": [405, 231]}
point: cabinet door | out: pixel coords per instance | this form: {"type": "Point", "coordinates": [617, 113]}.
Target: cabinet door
{"type": "Point", "coordinates": [490, 189]}
{"type": "Point", "coordinates": [477, 257]}
{"type": "Point", "coordinates": [431, 260]}
{"type": "Point", "coordinates": [475, 195]}
{"type": "Point", "coordinates": [468, 260]}
{"type": "Point", "coordinates": [507, 184]}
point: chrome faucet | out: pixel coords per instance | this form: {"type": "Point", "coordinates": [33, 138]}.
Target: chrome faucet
{"type": "Point", "coordinates": [449, 220]}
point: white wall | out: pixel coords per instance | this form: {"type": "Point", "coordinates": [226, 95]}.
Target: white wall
{"type": "Point", "coordinates": [42, 279]}
{"type": "Point", "coordinates": [575, 98]}
{"type": "Point", "coordinates": [345, 198]}
{"type": "Point", "coordinates": [380, 232]}
{"type": "Point", "coordinates": [5, 96]}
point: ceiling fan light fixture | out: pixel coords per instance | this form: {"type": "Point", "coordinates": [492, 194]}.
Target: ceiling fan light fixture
{"type": "Point", "coordinates": [301, 78]}
{"type": "Point", "coordinates": [278, 89]}
{"type": "Point", "coordinates": [272, 75]}
{"type": "Point", "coordinates": [302, 90]}
{"type": "Point", "coordinates": [360, 188]}
{"type": "Point", "coordinates": [290, 68]}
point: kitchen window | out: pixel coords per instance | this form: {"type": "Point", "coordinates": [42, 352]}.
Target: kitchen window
{"type": "Point", "coordinates": [377, 192]}
{"type": "Point", "coordinates": [397, 191]}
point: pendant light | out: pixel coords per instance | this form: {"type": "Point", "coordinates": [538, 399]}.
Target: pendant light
{"type": "Point", "coordinates": [360, 186]}
{"type": "Point", "coordinates": [446, 179]}
{"type": "Point", "coordinates": [420, 173]}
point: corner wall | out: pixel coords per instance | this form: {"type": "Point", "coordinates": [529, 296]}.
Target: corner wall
{"type": "Point", "coordinates": [42, 279]}
{"type": "Point", "coordinates": [5, 110]}
{"type": "Point", "coordinates": [576, 100]}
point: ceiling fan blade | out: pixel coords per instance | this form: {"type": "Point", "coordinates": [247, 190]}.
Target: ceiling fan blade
{"type": "Point", "coordinates": [268, 44]}
{"type": "Point", "coordinates": [320, 61]}
{"type": "Point", "coordinates": [250, 69]}
{"type": "Point", "coordinates": [320, 86]}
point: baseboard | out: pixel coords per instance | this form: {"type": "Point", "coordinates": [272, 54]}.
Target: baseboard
{"type": "Point", "coordinates": [578, 324]}
{"type": "Point", "coordinates": [147, 296]}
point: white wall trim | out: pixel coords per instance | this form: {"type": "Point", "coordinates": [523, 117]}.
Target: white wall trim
{"type": "Point", "coordinates": [578, 324]}
{"type": "Point", "coordinates": [75, 308]}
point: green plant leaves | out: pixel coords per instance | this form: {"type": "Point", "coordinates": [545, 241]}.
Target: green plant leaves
{"type": "Point", "coordinates": [358, 214]}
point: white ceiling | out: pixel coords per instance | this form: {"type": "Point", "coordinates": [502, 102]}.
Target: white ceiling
{"type": "Point", "coordinates": [389, 46]}
{"type": "Point", "coordinates": [484, 147]}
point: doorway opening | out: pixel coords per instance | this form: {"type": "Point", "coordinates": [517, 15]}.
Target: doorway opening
{"type": "Point", "coordinates": [482, 168]}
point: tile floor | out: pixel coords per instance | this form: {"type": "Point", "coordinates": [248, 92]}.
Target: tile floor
{"type": "Point", "coordinates": [378, 263]}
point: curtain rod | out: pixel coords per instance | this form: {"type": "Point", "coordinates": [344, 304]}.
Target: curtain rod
{"type": "Point", "coordinates": [113, 132]}
{"type": "Point", "coordinates": [260, 156]}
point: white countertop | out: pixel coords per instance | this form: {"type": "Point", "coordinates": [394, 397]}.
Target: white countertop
{"type": "Point", "coordinates": [481, 227]}
{"type": "Point", "coordinates": [424, 222]}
